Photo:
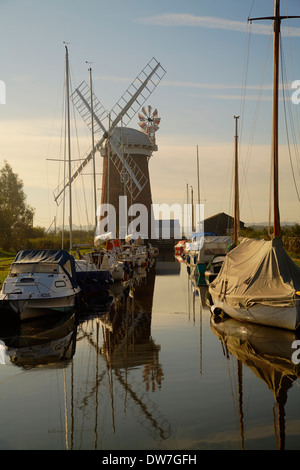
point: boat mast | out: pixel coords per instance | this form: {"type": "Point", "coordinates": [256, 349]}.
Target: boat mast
{"type": "Point", "coordinates": [236, 186]}
{"type": "Point", "coordinates": [276, 24]}
{"type": "Point", "coordinates": [198, 218]}
{"type": "Point", "coordinates": [93, 147]}
{"type": "Point", "coordinates": [69, 143]}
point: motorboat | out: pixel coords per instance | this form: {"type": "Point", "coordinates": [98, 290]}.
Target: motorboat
{"type": "Point", "coordinates": [40, 282]}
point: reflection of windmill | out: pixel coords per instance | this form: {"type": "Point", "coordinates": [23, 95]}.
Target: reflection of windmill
{"type": "Point", "coordinates": [120, 145]}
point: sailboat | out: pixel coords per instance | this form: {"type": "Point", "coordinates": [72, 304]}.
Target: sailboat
{"type": "Point", "coordinates": [258, 281]}
{"type": "Point", "coordinates": [91, 279]}
{"type": "Point", "coordinates": [42, 281]}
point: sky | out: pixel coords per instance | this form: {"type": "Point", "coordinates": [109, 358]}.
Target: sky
{"type": "Point", "coordinates": [217, 65]}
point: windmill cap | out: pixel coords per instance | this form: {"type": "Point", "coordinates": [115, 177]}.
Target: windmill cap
{"type": "Point", "coordinates": [134, 137]}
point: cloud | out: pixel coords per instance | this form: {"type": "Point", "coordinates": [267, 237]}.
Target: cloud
{"type": "Point", "coordinates": [188, 20]}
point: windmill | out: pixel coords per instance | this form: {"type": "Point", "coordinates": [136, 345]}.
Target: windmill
{"type": "Point", "coordinates": [105, 127]}
{"type": "Point", "coordinates": [149, 120]}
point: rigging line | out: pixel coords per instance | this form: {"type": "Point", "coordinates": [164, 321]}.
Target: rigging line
{"type": "Point", "coordinates": [61, 140]}
{"type": "Point", "coordinates": [244, 185]}
{"type": "Point", "coordinates": [257, 105]}
{"type": "Point", "coordinates": [244, 87]}
{"type": "Point", "coordinates": [245, 75]}
{"type": "Point", "coordinates": [292, 68]}
{"type": "Point", "coordinates": [82, 180]}
{"type": "Point", "coordinates": [258, 102]}
{"type": "Point", "coordinates": [297, 116]}
{"type": "Point", "coordinates": [78, 150]}
{"type": "Point", "coordinates": [48, 148]}
{"type": "Point", "coordinates": [286, 126]}
{"type": "Point", "coordinates": [251, 9]}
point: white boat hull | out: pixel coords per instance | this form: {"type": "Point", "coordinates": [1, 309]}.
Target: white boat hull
{"type": "Point", "coordinates": [34, 307]}
{"type": "Point", "coordinates": [281, 317]}
{"type": "Point", "coordinates": [40, 282]}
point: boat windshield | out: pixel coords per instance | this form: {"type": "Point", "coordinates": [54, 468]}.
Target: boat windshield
{"type": "Point", "coordinates": [23, 268]}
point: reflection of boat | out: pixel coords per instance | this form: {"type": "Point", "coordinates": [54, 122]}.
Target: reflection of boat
{"type": "Point", "coordinates": [43, 341]}
{"type": "Point", "coordinates": [39, 282]}
{"type": "Point", "coordinates": [267, 352]}
{"type": "Point", "coordinates": [258, 281]}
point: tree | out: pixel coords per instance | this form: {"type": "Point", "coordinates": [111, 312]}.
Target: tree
{"type": "Point", "coordinates": [16, 216]}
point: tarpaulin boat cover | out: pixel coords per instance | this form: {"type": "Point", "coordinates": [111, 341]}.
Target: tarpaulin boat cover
{"type": "Point", "coordinates": [61, 257]}
{"type": "Point", "coordinates": [257, 271]}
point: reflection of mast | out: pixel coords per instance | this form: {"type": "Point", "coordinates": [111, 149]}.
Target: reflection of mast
{"type": "Point", "coordinates": [127, 343]}
{"type": "Point", "coordinates": [110, 382]}
{"type": "Point", "coordinates": [266, 351]}
{"type": "Point", "coordinates": [127, 326]}
{"type": "Point", "coordinates": [241, 413]}
{"type": "Point", "coordinates": [195, 290]}
{"type": "Point", "coordinates": [163, 433]}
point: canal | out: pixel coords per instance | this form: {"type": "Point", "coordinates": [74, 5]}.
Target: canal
{"type": "Point", "coordinates": [149, 371]}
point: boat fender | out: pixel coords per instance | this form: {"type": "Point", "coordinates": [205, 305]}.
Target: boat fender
{"type": "Point", "coordinates": [216, 310]}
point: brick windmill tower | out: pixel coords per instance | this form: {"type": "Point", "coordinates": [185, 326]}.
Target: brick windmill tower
{"type": "Point", "coordinates": [125, 151]}
{"type": "Point", "coordinates": [126, 181]}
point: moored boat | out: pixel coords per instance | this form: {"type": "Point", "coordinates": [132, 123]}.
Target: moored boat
{"type": "Point", "coordinates": [259, 282]}
{"type": "Point", "coordinates": [40, 282]}
{"type": "Point", "coordinates": [202, 249]}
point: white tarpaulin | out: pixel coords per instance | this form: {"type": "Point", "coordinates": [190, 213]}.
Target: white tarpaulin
{"type": "Point", "coordinates": [257, 271]}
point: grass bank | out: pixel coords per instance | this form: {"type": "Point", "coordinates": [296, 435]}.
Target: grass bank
{"type": "Point", "coordinates": [6, 258]}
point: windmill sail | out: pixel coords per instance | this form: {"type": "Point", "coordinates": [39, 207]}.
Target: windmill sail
{"type": "Point", "coordinates": [124, 110]}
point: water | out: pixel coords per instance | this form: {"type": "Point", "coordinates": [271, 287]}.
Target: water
{"type": "Point", "coordinates": [152, 373]}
